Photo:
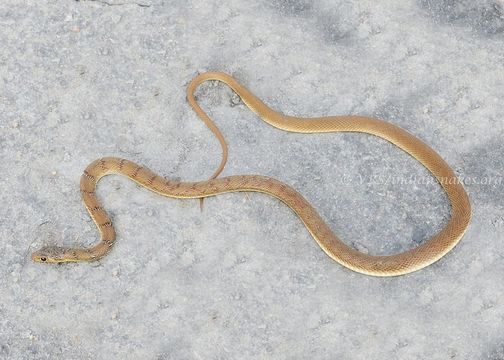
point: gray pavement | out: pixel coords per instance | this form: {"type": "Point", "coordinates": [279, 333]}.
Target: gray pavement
{"type": "Point", "coordinates": [244, 280]}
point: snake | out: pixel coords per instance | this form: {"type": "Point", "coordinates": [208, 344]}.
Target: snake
{"type": "Point", "coordinates": [424, 254]}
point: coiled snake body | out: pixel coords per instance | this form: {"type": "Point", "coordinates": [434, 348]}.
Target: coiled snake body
{"type": "Point", "coordinates": [398, 264]}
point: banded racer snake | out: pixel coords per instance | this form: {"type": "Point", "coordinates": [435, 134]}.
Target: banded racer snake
{"type": "Point", "coordinates": [388, 265]}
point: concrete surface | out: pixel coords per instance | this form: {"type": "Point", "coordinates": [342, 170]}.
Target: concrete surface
{"type": "Point", "coordinates": [244, 279]}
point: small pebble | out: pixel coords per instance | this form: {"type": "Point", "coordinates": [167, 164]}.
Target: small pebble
{"type": "Point", "coordinates": [116, 18]}
{"type": "Point", "coordinates": [15, 276]}
{"type": "Point", "coordinates": [235, 100]}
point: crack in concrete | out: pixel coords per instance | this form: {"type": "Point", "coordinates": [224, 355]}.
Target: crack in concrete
{"type": "Point", "coordinates": [119, 4]}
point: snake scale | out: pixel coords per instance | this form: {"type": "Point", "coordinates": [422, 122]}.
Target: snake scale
{"type": "Point", "coordinates": [389, 265]}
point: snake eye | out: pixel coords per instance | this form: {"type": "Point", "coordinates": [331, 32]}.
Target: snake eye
{"type": "Point", "coordinates": [43, 259]}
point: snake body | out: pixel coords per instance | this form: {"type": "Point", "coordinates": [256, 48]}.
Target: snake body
{"type": "Point", "coordinates": [389, 265]}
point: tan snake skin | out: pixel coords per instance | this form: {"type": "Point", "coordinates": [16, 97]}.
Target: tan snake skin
{"type": "Point", "coordinates": [403, 263]}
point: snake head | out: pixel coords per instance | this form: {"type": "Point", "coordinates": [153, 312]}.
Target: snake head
{"type": "Point", "coordinates": [51, 254]}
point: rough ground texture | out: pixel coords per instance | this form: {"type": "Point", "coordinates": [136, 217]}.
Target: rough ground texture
{"type": "Point", "coordinates": [244, 279]}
